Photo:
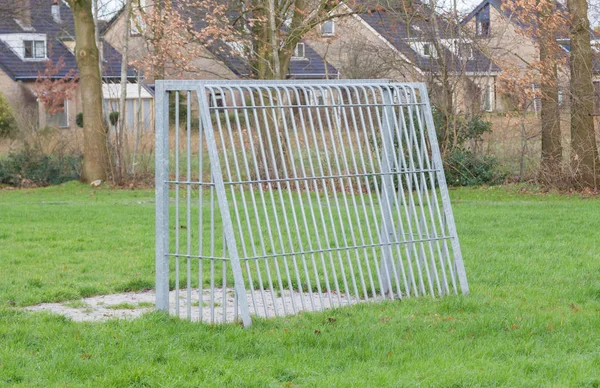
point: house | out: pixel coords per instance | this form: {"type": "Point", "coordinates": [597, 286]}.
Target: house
{"type": "Point", "coordinates": [218, 60]}
{"type": "Point", "coordinates": [410, 42]}
{"type": "Point", "coordinates": [33, 35]}
{"type": "Point", "coordinates": [507, 39]}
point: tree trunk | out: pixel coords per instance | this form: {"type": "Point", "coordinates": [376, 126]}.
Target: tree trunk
{"type": "Point", "coordinates": [121, 167]}
{"type": "Point", "coordinates": [95, 151]}
{"type": "Point", "coordinates": [584, 151]}
{"type": "Point", "coordinates": [550, 165]}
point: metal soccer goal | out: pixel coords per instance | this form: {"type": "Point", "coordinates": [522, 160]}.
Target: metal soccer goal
{"type": "Point", "coordinates": [285, 196]}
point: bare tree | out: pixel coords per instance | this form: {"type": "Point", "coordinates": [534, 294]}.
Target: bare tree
{"type": "Point", "coordinates": [584, 153]}
{"type": "Point", "coordinates": [543, 21]}
{"type": "Point", "coordinates": [121, 165]}
{"type": "Point", "coordinates": [95, 159]}
{"type": "Point", "coordinates": [278, 26]}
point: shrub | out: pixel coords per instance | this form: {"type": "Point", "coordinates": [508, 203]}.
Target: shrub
{"type": "Point", "coordinates": [464, 168]}
{"type": "Point", "coordinates": [31, 167]}
{"type": "Point", "coordinates": [79, 119]}
{"type": "Point", "coordinates": [7, 118]}
{"type": "Point", "coordinates": [113, 117]}
{"type": "Point", "coordinates": [466, 129]}
{"type": "Point", "coordinates": [462, 165]}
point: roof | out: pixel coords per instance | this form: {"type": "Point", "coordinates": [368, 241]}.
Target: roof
{"type": "Point", "coordinates": [494, 3]}
{"type": "Point", "coordinates": [312, 66]}
{"type": "Point", "coordinates": [389, 24]}
{"type": "Point", "coordinates": [506, 13]}
{"type": "Point", "coordinates": [57, 34]}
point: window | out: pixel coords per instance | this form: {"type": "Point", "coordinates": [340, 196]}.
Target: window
{"type": "Point", "coordinates": [316, 98]}
{"type": "Point", "coordinates": [483, 28]}
{"type": "Point", "coordinates": [240, 49]}
{"type": "Point", "coordinates": [597, 97]}
{"type": "Point", "coordinates": [138, 25]}
{"type": "Point", "coordinates": [561, 98]}
{"type": "Point", "coordinates": [328, 28]}
{"type": "Point", "coordinates": [487, 98]}
{"type": "Point", "coordinates": [216, 100]}
{"type": "Point", "coordinates": [482, 20]}
{"type": "Point", "coordinates": [464, 50]}
{"type": "Point", "coordinates": [424, 49]}
{"type": "Point", "coordinates": [299, 51]}
{"type": "Point", "coordinates": [60, 119]}
{"type": "Point", "coordinates": [34, 49]}
{"type": "Point", "coordinates": [427, 49]}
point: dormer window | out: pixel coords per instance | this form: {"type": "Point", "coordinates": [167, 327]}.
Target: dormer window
{"type": "Point", "coordinates": [482, 20]}
{"type": "Point", "coordinates": [427, 50]}
{"type": "Point", "coordinates": [34, 49]}
{"type": "Point", "coordinates": [299, 51]}
{"type": "Point", "coordinates": [328, 28]}
{"type": "Point", "coordinates": [464, 50]}
{"type": "Point", "coordinates": [424, 49]}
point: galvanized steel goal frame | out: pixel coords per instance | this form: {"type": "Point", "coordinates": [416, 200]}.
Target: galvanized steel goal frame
{"type": "Point", "coordinates": [314, 194]}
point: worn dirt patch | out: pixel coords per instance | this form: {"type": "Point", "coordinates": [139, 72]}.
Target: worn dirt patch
{"type": "Point", "coordinates": [218, 306]}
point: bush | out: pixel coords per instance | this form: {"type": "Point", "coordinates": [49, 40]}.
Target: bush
{"type": "Point", "coordinates": [79, 119]}
{"type": "Point", "coordinates": [7, 119]}
{"type": "Point", "coordinates": [31, 167]}
{"type": "Point", "coordinates": [113, 117]}
{"type": "Point", "coordinates": [466, 129]}
{"type": "Point", "coordinates": [464, 168]}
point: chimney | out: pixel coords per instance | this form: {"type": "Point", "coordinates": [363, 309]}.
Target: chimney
{"type": "Point", "coordinates": [23, 14]}
{"type": "Point", "coordinates": [56, 12]}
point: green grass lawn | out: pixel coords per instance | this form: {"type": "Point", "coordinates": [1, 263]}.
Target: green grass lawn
{"type": "Point", "coordinates": [532, 319]}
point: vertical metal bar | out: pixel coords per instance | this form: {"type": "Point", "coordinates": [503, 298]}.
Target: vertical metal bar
{"type": "Point", "coordinates": [388, 189]}
{"type": "Point", "coordinates": [437, 162]}
{"type": "Point", "coordinates": [189, 205]}
{"type": "Point", "coordinates": [200, 222]}
{"type": "Point", "coordinates": [162, 197]}
{"type": "Point", "coordinates": [177, 224]}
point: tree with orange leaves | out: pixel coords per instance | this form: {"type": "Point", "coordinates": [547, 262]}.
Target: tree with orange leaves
{"type": "Point", "coordinates": [543, 21]}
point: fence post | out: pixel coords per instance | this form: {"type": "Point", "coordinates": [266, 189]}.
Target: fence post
{"type": "Point", "coordinates": [162, 197]}
{"type": "Point", "coordinates": [387, 193]}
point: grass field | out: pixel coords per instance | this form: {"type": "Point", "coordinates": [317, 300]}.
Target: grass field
{"type": "Point", "coordinates": [532, 319]}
